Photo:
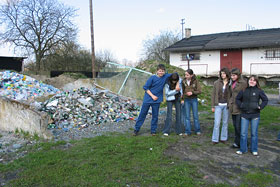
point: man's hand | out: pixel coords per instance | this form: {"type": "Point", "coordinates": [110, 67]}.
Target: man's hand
{"type": "Point", "coordinates": [154, 97]}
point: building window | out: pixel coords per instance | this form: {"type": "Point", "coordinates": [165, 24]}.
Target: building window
{"type": "Point", "coordinates": [272, 53]}
{"type": "Point", "coordinates": [190, 56]}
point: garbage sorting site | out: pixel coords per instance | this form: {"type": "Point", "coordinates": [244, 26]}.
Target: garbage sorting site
{"type": "Point", "coordinates": [61, 111]}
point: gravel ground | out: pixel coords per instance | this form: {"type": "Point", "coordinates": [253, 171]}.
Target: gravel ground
{"type": "Point", "coordinates": [12, 146]}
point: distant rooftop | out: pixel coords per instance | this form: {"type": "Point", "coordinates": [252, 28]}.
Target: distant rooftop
{"type": "Point", "coordinates": [229, 40]}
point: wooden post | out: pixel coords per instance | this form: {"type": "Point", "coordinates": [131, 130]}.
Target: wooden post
{"type": "Point", "coordinates": [279, 91]}
{"type": "Point", "coordinates": [92, 39]}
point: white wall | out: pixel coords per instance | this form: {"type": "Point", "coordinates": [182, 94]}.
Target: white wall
{"type": "Point", "coordinates": [209, 63]}
{"type": "Point", "coordinates": [254, 62]}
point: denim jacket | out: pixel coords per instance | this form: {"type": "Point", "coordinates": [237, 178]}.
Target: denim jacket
{"type": "Point", "coordinates": [170, 94]}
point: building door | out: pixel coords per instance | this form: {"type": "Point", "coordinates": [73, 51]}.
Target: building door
{"type": "Point", "coordinates": [231, 59]}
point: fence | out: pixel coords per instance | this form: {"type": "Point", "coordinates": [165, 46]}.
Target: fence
{"type": "Point", "coordinates": [128, 81]}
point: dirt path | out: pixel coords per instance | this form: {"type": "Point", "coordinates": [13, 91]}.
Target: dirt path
{"type": "Point", "coordinates": [219, 163]}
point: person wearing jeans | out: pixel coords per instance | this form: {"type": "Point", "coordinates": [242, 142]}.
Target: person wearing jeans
{"type": "Point", "coordinates": [191, 88]}
{"type": "Point", "coordinates": [219, 101]}
{"type": "Point", "coordinates": [244, 134]}
{"type": "Point", "coordinates": [191, 104]}
{"type": "Point", "coordinates": [152, 98]}
{"type": "Point", "coordinates": [173, 97]}
{"type": "Point", "coordinates": [248, 101]}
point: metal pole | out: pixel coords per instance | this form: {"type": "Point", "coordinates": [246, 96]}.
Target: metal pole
{"type": "Point", "coordinates": [182, 22]}
{"type": "Point", "coordinates": [125, 80]}
{"type": "Point", "coordinates": [92, 39]}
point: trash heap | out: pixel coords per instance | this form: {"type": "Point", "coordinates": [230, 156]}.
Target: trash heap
{"type": "Point", "coordinates": [83, 107]}
{"type": "Point", "coordinates": [21, 87]}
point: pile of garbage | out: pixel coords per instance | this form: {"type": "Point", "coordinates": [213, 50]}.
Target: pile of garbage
{"type": "Point", "coordinates": [22, 88]}
{"type": "Point", "coordinates": [83, 107]}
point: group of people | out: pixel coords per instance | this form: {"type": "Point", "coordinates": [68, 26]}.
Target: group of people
{"type": "Point", "coordinates": [230, 95]}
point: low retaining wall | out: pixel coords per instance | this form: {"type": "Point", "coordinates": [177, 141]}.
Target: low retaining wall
{"type": "Point", "coordinates": [15, 115]}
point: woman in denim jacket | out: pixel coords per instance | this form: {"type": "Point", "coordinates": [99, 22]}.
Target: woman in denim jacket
{"type": "Point", "coordinates": [172, 98]}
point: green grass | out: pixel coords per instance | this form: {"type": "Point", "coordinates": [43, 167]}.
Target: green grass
{"type": "Point", "coordinates": [269, 115]}
{"type": "Point", "coordinates": [271, 89]}
{"type": "Point", "coordinates": [103, 161]}
{"type": "Point", "coordinates": [257, 179]}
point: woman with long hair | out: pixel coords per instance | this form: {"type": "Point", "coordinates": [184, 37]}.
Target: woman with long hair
{"type": "Point", "coordinates": [219, 101]}
{"type": "Point", "coordinates": [173, 97]}
{"type": "Point", "coordinates": [248, 100]}
{"type": "Point", "coordinates": [191, 89]}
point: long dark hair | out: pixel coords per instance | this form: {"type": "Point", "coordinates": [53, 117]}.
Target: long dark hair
{"type": "Point", "coordinates": [173, 77]}
{"type": "Point", "coordinates": [190, 71]}
{"type": "Point", "coordinates": [226, 70]}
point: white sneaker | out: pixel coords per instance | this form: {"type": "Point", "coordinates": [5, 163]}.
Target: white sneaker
{"type": "Point", "coordinates": [239, 152]}
{"type": "Point", "coordinates": [181, 134]}
{"type": "Point", "coordinates": [255, 153]}
{"type": "Point", "coordinates": [198, 133]}
{"type": "Point", "coordinates": [165, 134]}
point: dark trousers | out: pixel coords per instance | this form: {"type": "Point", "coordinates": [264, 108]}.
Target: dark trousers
{"type": "Point", "coordinates": [236, 120]}
{"type": "Point", "coordinates": [168, 121]}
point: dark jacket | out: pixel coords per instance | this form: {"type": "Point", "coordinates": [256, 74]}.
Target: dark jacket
{"type": "Point", "coordinates": [249, 102]}
{"type": "Point", "coordinates": [194, 87]}
{"type": "Point", "coordinates": [217, 93]}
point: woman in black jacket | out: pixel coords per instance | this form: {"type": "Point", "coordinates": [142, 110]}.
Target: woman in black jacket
{"type": "Point", "coordinates": [248, 101]}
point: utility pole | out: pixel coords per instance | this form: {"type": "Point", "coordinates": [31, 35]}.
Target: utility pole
{"type": "Point", "coordinates": [92, 39]}
{"type": "Point", "coordinates": [182, 23]}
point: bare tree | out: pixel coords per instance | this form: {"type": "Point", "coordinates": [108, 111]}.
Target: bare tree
{"type": "Point", "coordinates": [36, 25]}
{"type": "Point", "coordinates": [102, 57]}
{"type": "Point", "coordinates": [153, 48]}
{"type": "Point", "coordinates": [71, 57]}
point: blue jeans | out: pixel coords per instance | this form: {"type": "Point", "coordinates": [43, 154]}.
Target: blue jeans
{"type": "Point", "coordinates": [244, 134]}
{"type": "Point", "coordinates": [143, 113]}
{"type": "Point", "coordinates": [191, 104]}
{"type": "Point", "coordinates": [168, 121]}
{"type": "Point", "coordinates": [219, 111]}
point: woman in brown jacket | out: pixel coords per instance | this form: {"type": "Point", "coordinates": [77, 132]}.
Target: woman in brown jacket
{"type": "Point", "coordinates": [237, 84]}
{"type": "Point", "coordinates": [219, 101]}
{"type": "Point", "coordinates": [191, 88]}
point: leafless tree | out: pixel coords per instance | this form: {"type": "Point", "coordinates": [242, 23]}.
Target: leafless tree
{"type": "Point", "coordinates": [36, 26]}
{"type": "Point", "coordinates": [153, 48]}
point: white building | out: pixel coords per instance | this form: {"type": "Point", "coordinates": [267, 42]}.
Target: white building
{"type": "Point", "coordinates": [253, 52]}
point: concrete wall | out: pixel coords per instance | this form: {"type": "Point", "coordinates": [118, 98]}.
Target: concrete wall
{"type": "Point", "coordinates": [15, 115]}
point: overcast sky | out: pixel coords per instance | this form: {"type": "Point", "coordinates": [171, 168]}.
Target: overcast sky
{"type": "Point", "coordinates": [121, 26]}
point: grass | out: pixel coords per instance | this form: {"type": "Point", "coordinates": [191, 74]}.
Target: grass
{"type": "Point", "coordinates": [27, 135]}
{"type": "Point", "coordinates": [273, 89]}
{"type": "Point", "coordinates": [269, 115]}
{"type": "Point", "coordinates": [257, 178]}
{"type": "Point", "coordinates": [103, 161]}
